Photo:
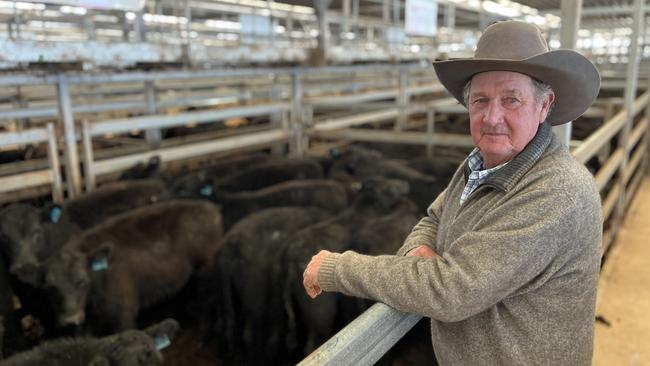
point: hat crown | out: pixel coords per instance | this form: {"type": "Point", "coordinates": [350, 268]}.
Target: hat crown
{"type": "Point", "coordinates": [511, 40]}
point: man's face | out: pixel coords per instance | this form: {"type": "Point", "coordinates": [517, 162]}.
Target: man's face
{"type": "Point", "coordinates": [503, 114]}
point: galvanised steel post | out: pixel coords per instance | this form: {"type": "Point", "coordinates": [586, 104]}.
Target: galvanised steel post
{"type": "Point", "coordinates": [73, 179]}
{"type": "Point", "coordinates": [568, 36]}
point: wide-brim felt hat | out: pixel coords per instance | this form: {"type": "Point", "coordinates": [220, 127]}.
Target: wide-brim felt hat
{"type": "Point", "coordinates": [520, 47]}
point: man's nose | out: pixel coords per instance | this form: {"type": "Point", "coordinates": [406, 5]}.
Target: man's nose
{"type": "Point", "coordinates": [493, 114]}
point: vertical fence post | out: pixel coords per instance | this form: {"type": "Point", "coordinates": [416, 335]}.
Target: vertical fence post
{"type": "Point", "coordinates": [570, 10]}
{"type": "Point", "coordinates": [277, 119]}
{"type": "Point", "coordinates": [431, 125]}
{"type": "Point", "coordinates": [53, 158]}
{"type": "Point", "coordinates": [402, 99]}
{"type": "Point", "coordinates": [645, 165]}
{"type": "Point", "coordinates": [297, 130]}
{"type": "Point", "coordinates": [630, 95]}
{"type": "Point", "coordinates": [89, 171]}
{"type": "Point", "coordinates": [153, 136]}
{"type": "Point", "coordinates": [73, 179]}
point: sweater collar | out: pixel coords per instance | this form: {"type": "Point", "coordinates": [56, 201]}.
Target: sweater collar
{"type": "Point", "coordinates": [507, 176]}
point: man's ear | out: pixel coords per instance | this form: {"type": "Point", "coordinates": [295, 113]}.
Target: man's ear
{"type": "Point", "coordinates": [547, 103]}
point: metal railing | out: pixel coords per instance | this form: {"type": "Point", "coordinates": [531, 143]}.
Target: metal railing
{"type": "Point", "coordinates": [36, 178]}
{"type": "Point", "coordinates": [268, 137]}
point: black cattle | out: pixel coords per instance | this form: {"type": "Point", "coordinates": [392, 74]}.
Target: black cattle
{"type": "Point", "coordinates": [131, 261]}
{"type": "Point", "coordinates": [29, 235]}
{"type": "Point", "coordinates": [6, 304]}
{"type": "Point", "coordinates": [328, 195]}
{"type": "Point", "coordinates": [251, 178]}
{"type": "Point", "coordinates": [113, 198]}
{"type": "Point", "coordinates": [358, 164]}
{"type": "Point", "coordinates": [142, 170]}
{"type": "Point", "coordinates": [128, 348]}
{"type": "Point", "coordinates": [270, 172]}
{"type": "Point", "coordinates": [246, 309]}
{"type": "Point", "coordinates": [380, 205]}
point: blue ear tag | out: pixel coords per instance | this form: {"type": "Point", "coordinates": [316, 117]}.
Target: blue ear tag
{"type": "Point", "coordinates": [99, 264]}
{"type": "Point", "coordinates": [55, 214]}
{"type": "Point", "coordinates": [161, 341]}
{"type": "Point", "coordinates": [206, 191]}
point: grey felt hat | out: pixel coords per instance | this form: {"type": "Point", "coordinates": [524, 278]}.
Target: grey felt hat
{"type": "Point", "coordinates": [520, 47]}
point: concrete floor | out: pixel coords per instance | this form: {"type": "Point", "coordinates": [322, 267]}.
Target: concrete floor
{"type": "Point", "coordinates": [624, 291]}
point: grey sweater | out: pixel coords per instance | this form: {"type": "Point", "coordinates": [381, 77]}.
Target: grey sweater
{"type": "Point", "coordinates": [515, 283]}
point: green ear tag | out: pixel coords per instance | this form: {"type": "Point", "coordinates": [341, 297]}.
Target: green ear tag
{"type": "Point", "coordinates": [99, 264]}
{"type": "Point", "coordinates": [161, 341]}
{"type": "Point", "coordinates": [206, 191]}
{"type": "Point", "coordinates": [55, 214]}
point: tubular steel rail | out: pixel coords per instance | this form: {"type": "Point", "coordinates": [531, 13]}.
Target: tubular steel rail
{"type": "Point", "coordinates": [298, 90]}
{"type": "Point", "coordinates": [50, 176]}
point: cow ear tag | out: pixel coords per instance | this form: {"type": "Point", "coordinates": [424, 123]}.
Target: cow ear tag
{"type": "Point", "coordinates": [161, 341]}
{"type": "Point", "coordinates": [206, 191]}
{"type": "Point", "coordinates": [99, 264]}
{"type": "Point", "coordinates": [55, 214]}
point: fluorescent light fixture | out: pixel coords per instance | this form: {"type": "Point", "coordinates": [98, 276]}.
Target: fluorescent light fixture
{"type": "Point", "coordinates": [223, 24]}
{"type": "Point", "coordinates": [166, 19]}
{"type": "Point", "coordinates": [66, 9]}
{"type": "Point", "coordinates": [21, 5]}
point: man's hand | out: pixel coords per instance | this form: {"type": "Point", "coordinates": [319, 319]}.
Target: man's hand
{"type": "Point", "coordinates": [423, 251]}
{"type": "Point", "coordinates": [310, 276]}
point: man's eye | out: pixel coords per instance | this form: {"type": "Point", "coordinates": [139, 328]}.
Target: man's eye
{"type": "Point", "coordinates": [480, 101]}
{"type": "Point", "coordinates": [512, 100]}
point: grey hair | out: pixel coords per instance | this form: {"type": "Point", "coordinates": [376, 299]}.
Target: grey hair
{"type": "Point", "coordinates": [540, 89]}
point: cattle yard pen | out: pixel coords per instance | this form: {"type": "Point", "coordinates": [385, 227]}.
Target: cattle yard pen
{"type": "Point", "coordinates": [299, 106]}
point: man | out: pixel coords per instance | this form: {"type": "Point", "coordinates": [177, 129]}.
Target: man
{"type": "Point", "coordinates": [507, 260]}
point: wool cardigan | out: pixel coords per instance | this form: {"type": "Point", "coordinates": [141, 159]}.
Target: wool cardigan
{"type": "Point", "coordinates": [515, 280]}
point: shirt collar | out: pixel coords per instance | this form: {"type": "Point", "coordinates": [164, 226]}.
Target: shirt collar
{"type": "Point", "coordinates": [516, 168]}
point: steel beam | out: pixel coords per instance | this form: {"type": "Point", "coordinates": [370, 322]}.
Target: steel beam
{"type": "Point", "coordinates": [568, 36]}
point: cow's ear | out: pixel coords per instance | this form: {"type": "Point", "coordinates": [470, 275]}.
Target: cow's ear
{"type": "Point", "coordinates": [98, 257]}
{"type": "Point", "coordinates": [30, 273]}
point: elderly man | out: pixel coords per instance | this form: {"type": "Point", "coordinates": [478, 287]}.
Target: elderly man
{"type": "Point", "coordinates": [506, 261]}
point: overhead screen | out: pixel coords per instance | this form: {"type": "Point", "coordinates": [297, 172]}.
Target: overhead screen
{"type": "Point", "coordinates": [421, 17]}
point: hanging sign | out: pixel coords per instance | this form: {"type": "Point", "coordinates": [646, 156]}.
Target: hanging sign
{"type": "Point", "coordinates": [421, 17]}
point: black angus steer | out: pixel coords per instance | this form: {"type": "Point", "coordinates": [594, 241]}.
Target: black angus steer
{"type": "Point", "coordinates": [253, 177]}
{"type": "Point", "coordinates": [359, 164]}
{"type": "Point", "coordinates": [328, 195]}
{"type": "Point", "coordinates": [131, 261]}
{"type": "Point", "coordinates": [128, 348]}
{"type": "Point", "coordinates": [243, 306]}
{"type": "Point", "coordinates": [379, 200]}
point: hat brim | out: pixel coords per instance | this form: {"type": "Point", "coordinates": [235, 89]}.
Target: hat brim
{"type": "Point", "coordinates": [574, 79]}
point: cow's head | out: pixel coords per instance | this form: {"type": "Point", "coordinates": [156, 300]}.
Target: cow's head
{"type": "Point", "coordinates": [67, 276]}
{"type": "Point", "coordinates": [21, 236]}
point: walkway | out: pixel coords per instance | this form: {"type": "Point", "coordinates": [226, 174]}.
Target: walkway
{"type": "Point", "coordinates": [623, 338]}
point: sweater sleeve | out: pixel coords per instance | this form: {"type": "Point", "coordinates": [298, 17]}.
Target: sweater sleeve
{"type": "Point", "coordinates": [511, 246]}
{"type": "Point", "coordinates": [425, 231]}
